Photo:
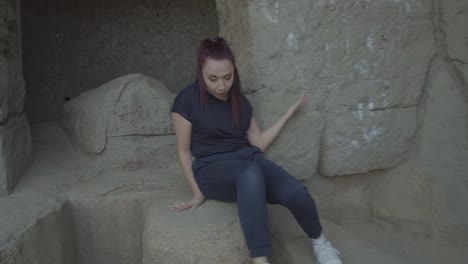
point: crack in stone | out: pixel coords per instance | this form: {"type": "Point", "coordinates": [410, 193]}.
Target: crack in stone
{"type": "Point", "coordinates": [442, 49]}
{"type": "Point", "coordinates": [456, 60]}
{"type": "Point", "coordinates": [391, 107]}
{"type": "Point", "coordinates": [141, 135]}
{"type": "Point", "coordinates": [441, 58]}
{"type": "Point", "coordinates": [437, 31]}
{"type": "Point", "coordinates": [139, 187]}
{"type": "Point", "coordinates": [451, 63]}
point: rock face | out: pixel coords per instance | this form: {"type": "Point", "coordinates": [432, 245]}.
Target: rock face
{"type": "Point", "coordinates": [363, 72]}
{"type": "Point", "coordinates": [12, 90]}
{"type": "Point", "coordinates": [15, 137]}
{"type": "Point", "coordinates": [454, 14]}
{"type": "Point", "coordinates": [432, 188]}
{"type": "Point", "coordinates": [365, 139]}
{"type": "Point", "coordinates": [124, 123]}
{"type": "Point", "coordinates": [15, 151]}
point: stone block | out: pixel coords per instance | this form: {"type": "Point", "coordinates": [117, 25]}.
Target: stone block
{"type": "Point", "coordinates": [15, 152]}
{"type": "Point", "coordinates": [123, 122]}
{"type": "Point", "coordinates": [348, 58]}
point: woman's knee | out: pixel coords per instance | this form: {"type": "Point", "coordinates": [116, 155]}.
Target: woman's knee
{"type": "Point", "coordinates": [251, 176]}
{"type": "Point", "coordinates": [295, 195]}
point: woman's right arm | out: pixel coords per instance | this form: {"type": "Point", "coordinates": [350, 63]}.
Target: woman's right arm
{"type": "Point", "coordinates": [183, 131]}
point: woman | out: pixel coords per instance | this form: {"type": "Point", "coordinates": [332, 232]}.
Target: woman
{"type": "Point", "coordinates": [213, 123]}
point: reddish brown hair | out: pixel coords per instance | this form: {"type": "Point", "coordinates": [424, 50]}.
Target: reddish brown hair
{"type": "Point", "coordinates": [218, 49]}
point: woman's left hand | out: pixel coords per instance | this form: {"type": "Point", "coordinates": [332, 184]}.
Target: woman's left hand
{"type": "Point", "coordinates": [196, 201]}
{"type": "Point", "coordinates": [298, 105]}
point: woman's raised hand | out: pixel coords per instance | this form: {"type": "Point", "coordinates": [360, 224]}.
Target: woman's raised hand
{"type": "Point", "coordinates": [196, 201]}
{"type": "Point", "coordinates": [298, 105]}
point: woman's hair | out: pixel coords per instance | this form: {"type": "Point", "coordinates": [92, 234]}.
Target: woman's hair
{"type": "Point", "coordinates": [218, 49]}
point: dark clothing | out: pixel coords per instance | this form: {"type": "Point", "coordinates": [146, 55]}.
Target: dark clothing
{"type": "Point", "coordinates": [213, 131]}
{"type": "Point", "coordinates": [247, 177]}
{"type": "Point", "coordinates": [228, 168]}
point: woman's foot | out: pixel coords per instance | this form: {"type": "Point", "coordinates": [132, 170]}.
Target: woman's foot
{"type": "Point", "coordinates": [325, 253]}
{"type": "Point", "coordinates": [260, 260]}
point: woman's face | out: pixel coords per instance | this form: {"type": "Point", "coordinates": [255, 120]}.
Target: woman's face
{"type": "Point", "coordinates": [218, 76]}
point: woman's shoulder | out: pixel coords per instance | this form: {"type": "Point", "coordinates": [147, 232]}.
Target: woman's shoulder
{"type": "Point", "coordinates": [189, 92]}
{"type": "Point", "coordinates": [184, 101]}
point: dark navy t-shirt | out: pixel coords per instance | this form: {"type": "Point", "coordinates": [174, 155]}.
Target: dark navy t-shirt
{"type": "Point", "coordinates": [213, 131]}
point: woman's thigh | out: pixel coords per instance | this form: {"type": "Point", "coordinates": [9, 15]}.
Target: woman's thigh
{"type": "Point", "coordinates": [217, 179]}
{"type": "Point", "coordinates": [280, 185]}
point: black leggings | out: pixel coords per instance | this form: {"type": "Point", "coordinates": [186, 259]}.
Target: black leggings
{"type": "Point", "coordinates": [247, 177]}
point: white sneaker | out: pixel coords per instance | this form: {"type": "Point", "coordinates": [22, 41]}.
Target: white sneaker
{"type": "Point", "coordinates": [325, 253]}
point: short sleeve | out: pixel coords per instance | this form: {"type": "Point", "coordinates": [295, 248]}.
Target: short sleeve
{"type": "Point", "coordinates": [183, 106]}
{"type": "Point", "coordinates": [247, 108]}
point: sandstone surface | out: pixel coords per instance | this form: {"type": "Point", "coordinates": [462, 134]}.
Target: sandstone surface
{"type": "Point", "coordinates": [124, 123]}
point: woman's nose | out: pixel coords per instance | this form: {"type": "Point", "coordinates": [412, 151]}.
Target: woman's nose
{"type": "Point", "coordinates": [222, 86]}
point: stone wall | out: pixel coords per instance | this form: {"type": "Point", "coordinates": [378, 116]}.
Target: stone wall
{"type": "Point", "coordinates": [429, 192]}
{"type": "Point", "coordinates": [363, 71]}
{"type": "Point", "coordinates": [71, 47]}
{"type": "Point", "coordinates": [387, 83]}
{"type": "Point", "coordinates": [15, 138]}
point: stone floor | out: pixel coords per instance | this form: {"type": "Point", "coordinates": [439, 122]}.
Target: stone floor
{"type": "Point", "coordinates": [67, 209]}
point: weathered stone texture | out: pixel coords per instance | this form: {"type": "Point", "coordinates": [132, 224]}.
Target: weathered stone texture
{"type": "Point", "coordinates": [12, 90]}
{"type": "Point", "coordinates": [241, 44]}
{"type": "Point", "coordinates": [431, 189]}
{"type": "Point", "coordinates": [133, 152]}
{"type": "Point", "coordinates": [107, 231]}
{"type": "Point", "coordinates": [15, 151]}
{"type": "Point", "coordinates": [201, 239]}
{"type": "Point", "coordinates": [55, 227]}
{"type": "Point", "coordinates": [443, 153]}
{"type": "Point", "coordinates": [351, 144]}
{"type": "Point", "coordinates": [353, 62]}
{"type": "Point", "coordinates": [123, 122]}
{"type": "Point", "coordinates": [297, 147]}
{"type": "Point", "coordinates": [15, 138]}
{"type": "Point", "coordinates": [455, 17]}
{"type": "Point", "coordinates": [129, 224]}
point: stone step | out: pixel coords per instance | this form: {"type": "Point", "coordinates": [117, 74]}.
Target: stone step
{"type": "Point", "coordinates": [208, 234]}
{"type": "Point", "coordinates": [293, 246]}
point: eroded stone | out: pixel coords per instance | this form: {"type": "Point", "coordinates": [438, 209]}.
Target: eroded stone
{"type": "Point", "coordinates": [15, 152]}
{"type": "Point", "coordinates": [108, 120]}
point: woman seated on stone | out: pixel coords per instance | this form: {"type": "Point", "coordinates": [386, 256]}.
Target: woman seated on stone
{"type": "Point", "coordinates": [213, 123]}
